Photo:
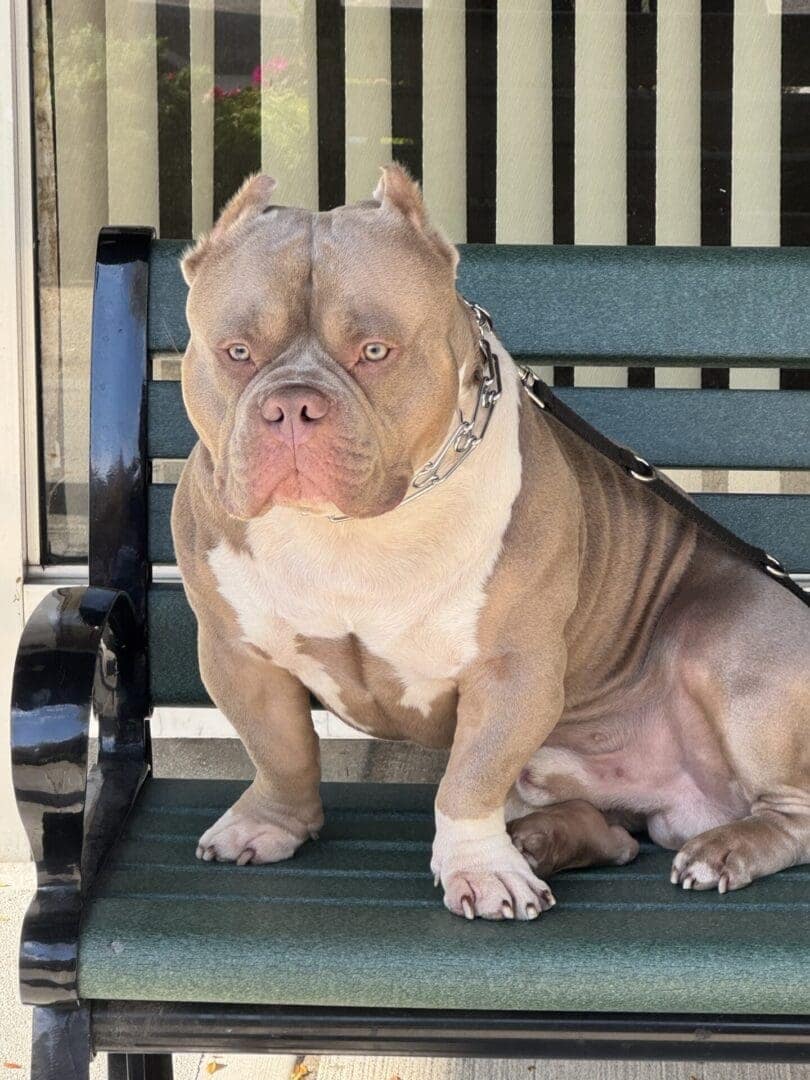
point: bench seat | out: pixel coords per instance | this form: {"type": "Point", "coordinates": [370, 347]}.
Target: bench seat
{"type": "Point", "coordinates": [354, 920]}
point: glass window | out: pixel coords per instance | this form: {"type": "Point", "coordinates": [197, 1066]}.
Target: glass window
{"type": "Point", "coordinates": [527, 121]}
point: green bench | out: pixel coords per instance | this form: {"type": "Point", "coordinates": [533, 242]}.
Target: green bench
{"type": "Point", "coordinates": [133, 946]}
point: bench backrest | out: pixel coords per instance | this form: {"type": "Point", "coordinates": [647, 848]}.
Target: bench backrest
{"type": "Point", "coordinates": [640, 306]}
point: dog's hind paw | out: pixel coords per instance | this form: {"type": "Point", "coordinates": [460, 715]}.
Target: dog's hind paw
{"type": "Point", "coordinates": [568, 835]}
{"type": "Point", "coordinates": [713, 860]}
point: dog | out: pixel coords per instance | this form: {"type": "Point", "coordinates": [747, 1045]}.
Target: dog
{"type": "Point", "coordinates": [594, 662]}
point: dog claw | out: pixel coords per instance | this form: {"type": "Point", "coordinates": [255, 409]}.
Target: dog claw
{"type": "Point", "coordinates": [532, 911]}
{"type": "Point", "coordinates": [722, 884]}
{"type": "Point", "coordinates": [245, 857]}
{"type": "Point", "coordinates": [209, 854]}
{"type": "Point", "coordinates": [508, 910]}
{"type": "Point", "coordinates": [548, 896]}
{"type": "Point", "coordinates": [674, 877]}
{"type": "Point", "coordinates": [688, 881]}
{"type": "Point", "coordinates": [466, 904]}
{"type": "Point", "coordinates": [436, 881]}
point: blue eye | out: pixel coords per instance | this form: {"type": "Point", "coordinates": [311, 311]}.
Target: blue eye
{"type": "Point", "coordinates": [375, 350]}
{"type": "Point", "coordinates": [239, 352]}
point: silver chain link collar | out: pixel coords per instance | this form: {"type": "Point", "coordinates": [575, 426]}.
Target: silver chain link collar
{"type": "Point", "coordinates": [469, 433]}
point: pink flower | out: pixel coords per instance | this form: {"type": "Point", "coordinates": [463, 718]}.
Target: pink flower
{"type": "Point", "coordinates": [274, 66]}
{"type": "Point", "coordinates": [219, 93]}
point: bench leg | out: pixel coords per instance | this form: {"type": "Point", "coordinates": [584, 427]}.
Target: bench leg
{"type": "Point", "coordinates": [139, 1067]}
{"type": "Point", "coordinates": [60, 1048]}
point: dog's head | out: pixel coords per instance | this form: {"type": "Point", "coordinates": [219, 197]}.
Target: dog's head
{"type": "Point", "coordinates": [325, 354]}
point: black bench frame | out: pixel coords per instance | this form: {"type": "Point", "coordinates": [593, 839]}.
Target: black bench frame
{"type": "Point", "coordinates": [84, 650]}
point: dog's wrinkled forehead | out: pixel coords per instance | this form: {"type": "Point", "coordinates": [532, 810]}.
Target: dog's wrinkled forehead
{"type": "Point", "coordinates": [265, 264]}
{"type": "Point", "coordinates": [253, 278]}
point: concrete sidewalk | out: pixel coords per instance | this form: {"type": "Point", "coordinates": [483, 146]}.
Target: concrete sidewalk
{"type": "Point", "coordinates": [16, 885]}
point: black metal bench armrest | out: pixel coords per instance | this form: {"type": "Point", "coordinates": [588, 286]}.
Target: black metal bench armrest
{"type": "Point", "coordinates": [82, 652]}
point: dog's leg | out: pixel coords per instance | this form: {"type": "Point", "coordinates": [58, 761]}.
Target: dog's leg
{"type": "Point", "coordinates": [270, 710]}
{"type": "Point", "coordinates": [745, 665]}
{"type": "Point", "coordinates": [568, 835]}
{"type": "Point", "coordinates": [772, 765]}
{"type": "Point", "coordinates": [505, 710]}
{"type": "Point", "coordinates": [775, 836]}
{"type": "Point", "coordinates": [765, 732]}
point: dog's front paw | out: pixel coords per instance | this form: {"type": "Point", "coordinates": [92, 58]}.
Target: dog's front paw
{"type": "Point", "coordinates": [251, 833]}
{"type": "Point", "coordinates": [482, 872]}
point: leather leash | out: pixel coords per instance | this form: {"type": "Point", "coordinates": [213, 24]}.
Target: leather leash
{"type": "Point", "coordinates": [643, 472]}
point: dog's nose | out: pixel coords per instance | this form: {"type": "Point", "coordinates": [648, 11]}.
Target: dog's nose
{"type": "Point", "coordinates": [293, 413]}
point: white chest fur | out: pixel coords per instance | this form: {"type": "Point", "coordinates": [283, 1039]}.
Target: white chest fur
{"type": "Point", "coordinates": [409, 585]}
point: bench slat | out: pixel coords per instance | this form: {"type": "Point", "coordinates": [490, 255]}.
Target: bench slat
{"type": "Point", "coordinates": [174, 673]}
{"type": "Point", "coordinates": [609, 304]}
{"type": "Point", "coordinates": [735, 429]}
{"type": "Point", "coordinates": [353, 921]}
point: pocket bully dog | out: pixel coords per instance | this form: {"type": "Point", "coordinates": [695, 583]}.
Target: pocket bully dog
{"type": "Point", "coordinates": [594, 662]}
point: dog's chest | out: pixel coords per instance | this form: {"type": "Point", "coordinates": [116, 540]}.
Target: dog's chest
{"type": "Point", "coordinates": [420, 627]}
{"type": "Point", "coordinates": [381, 614]}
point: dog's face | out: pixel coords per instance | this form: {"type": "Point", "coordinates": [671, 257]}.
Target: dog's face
{"type": "Point", "coordinates": [321, 371]}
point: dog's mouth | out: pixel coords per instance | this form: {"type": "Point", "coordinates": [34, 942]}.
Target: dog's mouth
{"type": "Point", "coordinates": [251, 494]}
{"type": "Point", "coordinates": [247, 497]}
{"type": "Point", "coordinates": [298, 489]}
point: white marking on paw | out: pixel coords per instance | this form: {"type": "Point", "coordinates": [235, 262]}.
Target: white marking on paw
{"type": "Point", "coordinates": [483, 873]}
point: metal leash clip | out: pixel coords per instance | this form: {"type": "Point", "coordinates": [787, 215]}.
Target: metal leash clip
{"type": "Point", "coordinates": [529, 380]}
{"type": "Point", "coordinates": [773, 567]}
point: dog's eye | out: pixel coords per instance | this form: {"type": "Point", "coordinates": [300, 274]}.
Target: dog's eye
{"type": "Point", "coordinates": [239, 352]}
{"type": "Point", "coordinates": [375, 350]}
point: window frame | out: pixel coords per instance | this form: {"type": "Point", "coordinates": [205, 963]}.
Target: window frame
{"type": "Point", "coordinates": [19, 427]}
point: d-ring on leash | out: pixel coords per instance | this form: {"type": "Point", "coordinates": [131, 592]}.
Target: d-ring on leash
{"type": "Point", "coordinates": [469, 433]}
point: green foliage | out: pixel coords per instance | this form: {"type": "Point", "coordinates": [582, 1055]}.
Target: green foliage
{"type": "Point", "coordinates": [275, 97]}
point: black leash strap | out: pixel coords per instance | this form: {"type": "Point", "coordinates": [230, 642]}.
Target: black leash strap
{"type": "Point", "coordinates": [655, 482]}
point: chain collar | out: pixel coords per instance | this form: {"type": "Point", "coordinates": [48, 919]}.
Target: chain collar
{"type": "Point", "coordinates": [470, 431]}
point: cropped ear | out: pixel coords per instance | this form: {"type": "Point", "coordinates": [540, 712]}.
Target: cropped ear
{"type": "Point", "coordinates": [249, 201]}
{"type": "Point", "coordinates": [398, 193]}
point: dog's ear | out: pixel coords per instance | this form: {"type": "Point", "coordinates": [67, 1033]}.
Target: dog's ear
{"type": "Point", "coordinates": [398, 193]}
{"type": "Point", "coordinates": [251, 199]}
